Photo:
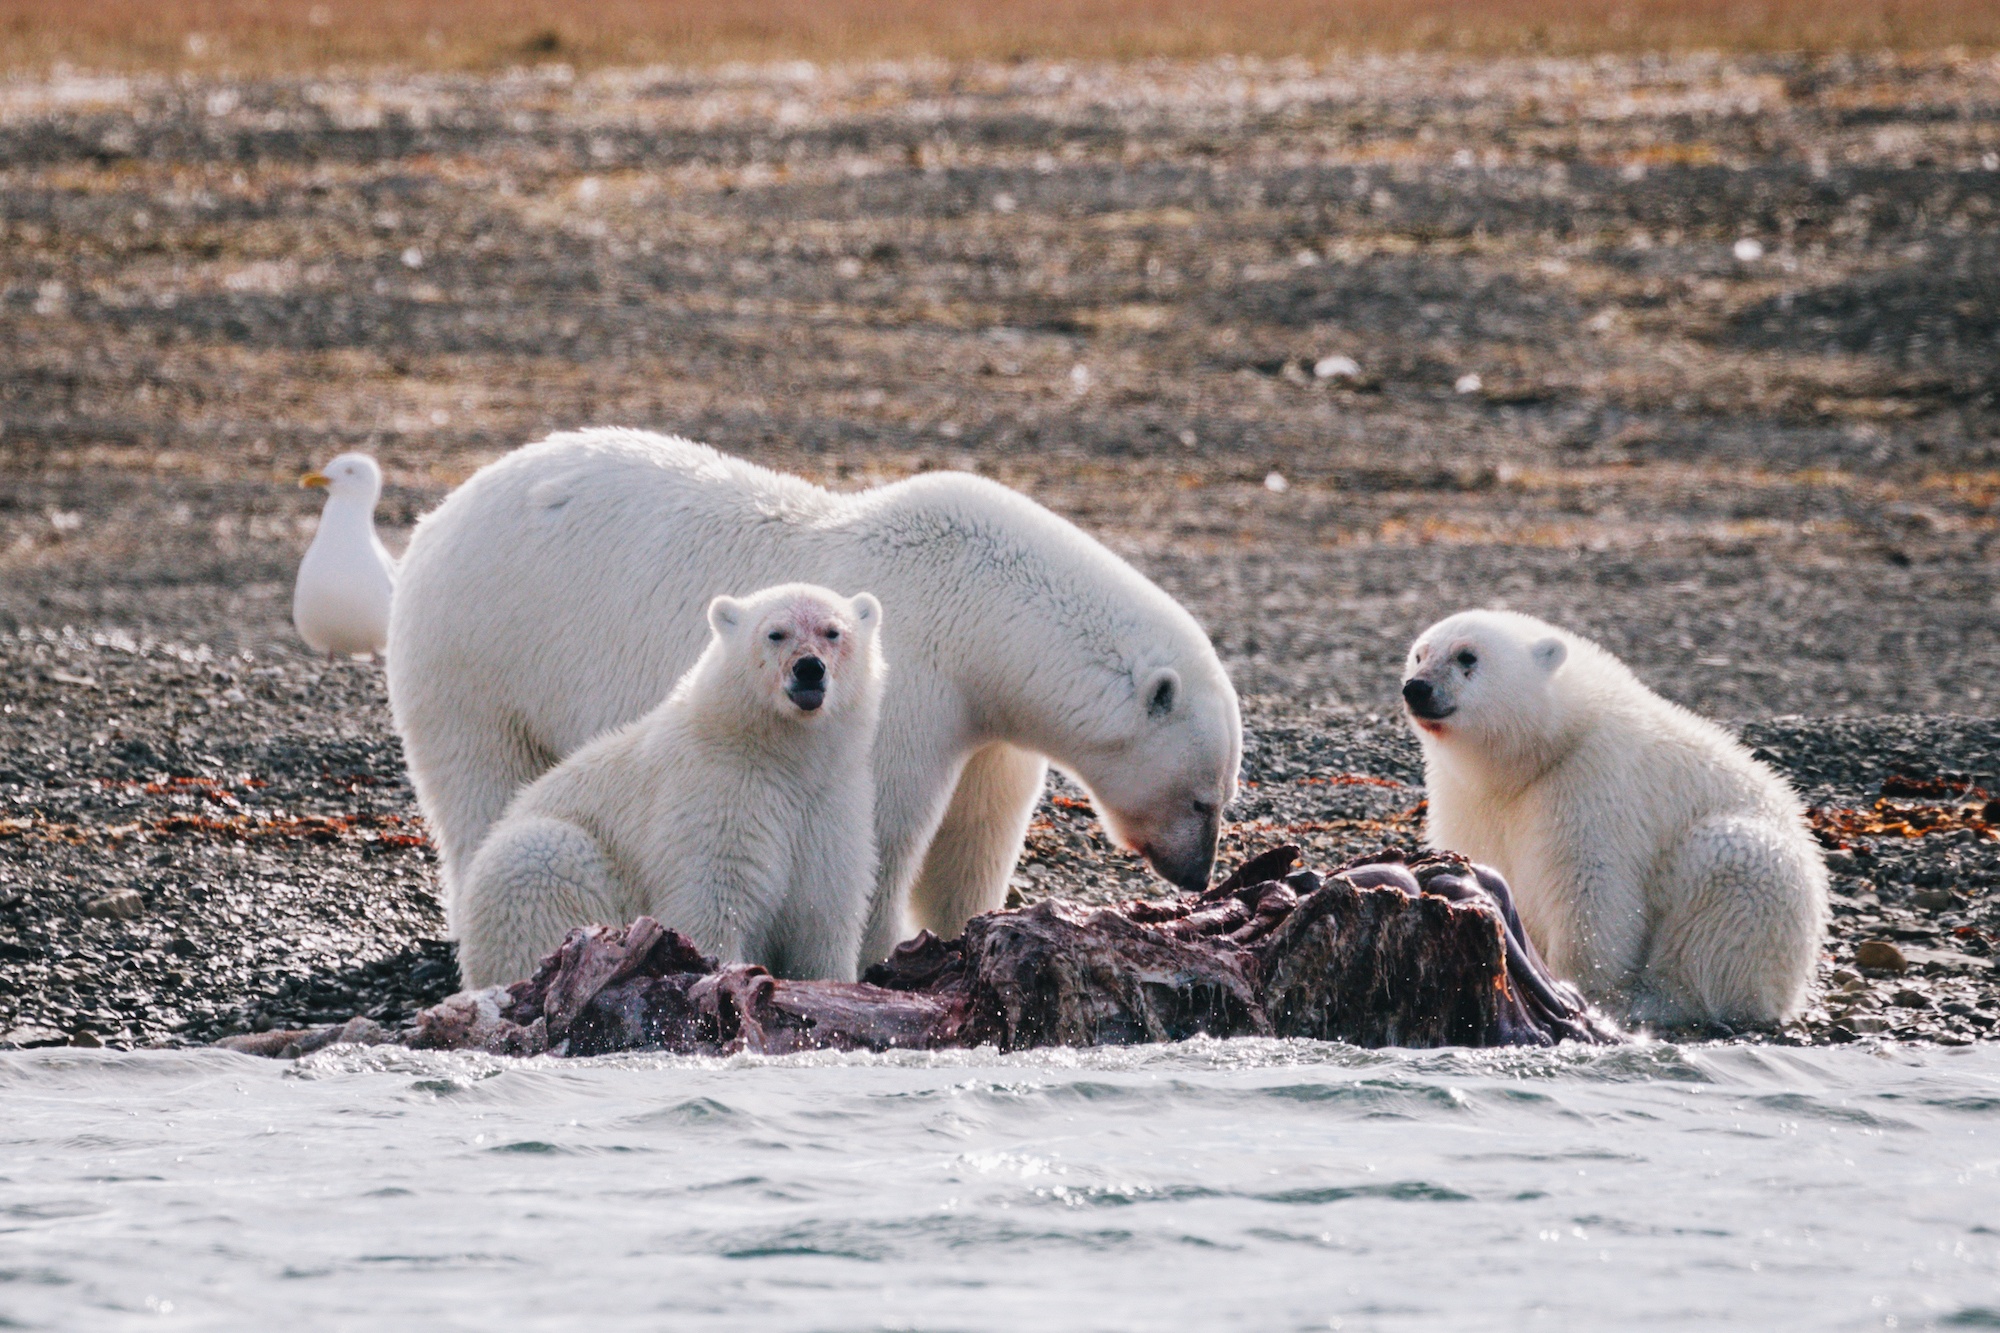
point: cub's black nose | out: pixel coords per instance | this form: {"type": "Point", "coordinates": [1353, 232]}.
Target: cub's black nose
{"type": "Point", "coordinates": [1423, 700]}
{"type": "Point", "coordinates": [807, 687]}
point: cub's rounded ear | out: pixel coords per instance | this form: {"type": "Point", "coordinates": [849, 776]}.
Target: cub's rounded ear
{"type": "Point", "coordinates": [1161, 689]}
{"type": "Point", "coordinates": [867, 611]}
{"type": "Point", "coordinates": [724, 614]}
{"type": "Point", "coordinates": [1550, 654]}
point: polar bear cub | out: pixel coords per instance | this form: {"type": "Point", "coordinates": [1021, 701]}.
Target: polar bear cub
{"type": "Point", "coordinates": [739, 812]}
{"type": "Point", "coordinates": [1654, 861]}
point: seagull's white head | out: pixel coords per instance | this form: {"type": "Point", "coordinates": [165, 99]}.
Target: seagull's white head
{"type": "Point", "coordinates": [348, 476]}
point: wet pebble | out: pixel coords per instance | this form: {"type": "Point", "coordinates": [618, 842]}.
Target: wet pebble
{"type": "Point", "coordinates": [29, 1035]}
{"type": "Point", "coordinates": [1880, 956]}
{"type": "Point", "coordinates": [119, 905]}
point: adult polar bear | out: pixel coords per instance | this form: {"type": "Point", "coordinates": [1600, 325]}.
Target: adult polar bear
{"type": "Point", "coordinates": [560, 592]}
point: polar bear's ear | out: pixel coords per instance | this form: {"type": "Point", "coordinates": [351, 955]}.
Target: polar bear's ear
{"type": "Point", "coordinates": [867, 610]}
{"type": "Point", "coordinates": [1161, 689]}
{"type": "Point", "coordinates": [1549, 654]}
{"type": "Point", "coordinates": [724, 614]}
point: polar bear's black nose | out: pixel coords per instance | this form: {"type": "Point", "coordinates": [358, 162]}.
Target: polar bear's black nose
{"type": "Point", "coordinates": [1423, 700]}
{"type": "Point", "coordinates": [807, 687]}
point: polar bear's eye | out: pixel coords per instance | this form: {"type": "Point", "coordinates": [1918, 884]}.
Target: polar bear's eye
{"type": "Point", "coordinates": [777, 636]}
{"type": "Point", "coordinates": [1467, 659]}
{"type": "Point", "coordinates": [832, 634]}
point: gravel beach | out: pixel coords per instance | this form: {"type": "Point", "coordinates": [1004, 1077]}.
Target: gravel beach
{"type": "Point", "coordinates": [1698, 356]}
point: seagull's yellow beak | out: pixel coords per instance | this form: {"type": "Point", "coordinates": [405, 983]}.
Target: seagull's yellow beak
{"type": "Point", "coordinates": [314, 479]}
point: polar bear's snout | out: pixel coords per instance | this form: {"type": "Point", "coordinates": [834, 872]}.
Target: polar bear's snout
{"type": "Point", "coordinates": [1184, 852]}
{"type": "Point", "coordinates": [806, 684]}
{"type": "Point", "coordinates": [1426, 701]}
{"type": "Point", "coordinates": [1177, 837]}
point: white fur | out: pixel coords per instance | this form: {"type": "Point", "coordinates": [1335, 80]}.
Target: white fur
{"type": "Point", "coordinates": [559, 591]}
{"type": "Point", "coordinates": [728, 813]}
{"type": "Point", "coordinates": [1654, 860]}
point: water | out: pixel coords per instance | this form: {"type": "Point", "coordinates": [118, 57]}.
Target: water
{"type": "Point", "coordinates": [1251, 1185]}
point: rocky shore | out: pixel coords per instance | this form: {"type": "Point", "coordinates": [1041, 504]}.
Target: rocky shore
{"type": "Point", "coordinates": [195, 845]}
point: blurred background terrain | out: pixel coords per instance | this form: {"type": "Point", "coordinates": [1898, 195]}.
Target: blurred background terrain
{"type": "Point", "coordinates": [266, 35]}
{"type": "Point", "coordinates": [1696, 353]}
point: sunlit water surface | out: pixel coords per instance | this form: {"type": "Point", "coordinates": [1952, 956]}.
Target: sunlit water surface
{"type": "Point", "coordinates": [1254, 1185]}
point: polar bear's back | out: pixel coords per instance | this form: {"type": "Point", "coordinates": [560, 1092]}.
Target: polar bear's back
{"type": "Point", "coordinates": [603, 524]}
{"type": "Point", "coordinates": [1680, 765]}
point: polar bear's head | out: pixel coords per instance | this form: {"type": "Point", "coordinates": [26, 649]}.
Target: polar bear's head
{"type": "Point", "coordinates": [801, 651]}
{"type": "Point", "coordinates": [1489, 681]}
{"type": "Point", "coordinates": [1163, 763]}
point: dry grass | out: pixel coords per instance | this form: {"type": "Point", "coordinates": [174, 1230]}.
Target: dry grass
{"type": "Point", "coordinates": [265, 35]}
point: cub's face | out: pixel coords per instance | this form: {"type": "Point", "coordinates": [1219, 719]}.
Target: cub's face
{"type": "Point", "coordinates": [1482, 675]}
{"type": "Point", "coordinates": [805, 650]}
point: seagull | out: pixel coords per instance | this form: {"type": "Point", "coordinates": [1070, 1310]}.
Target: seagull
{"type": "Point", "coordinates": [340, 603]}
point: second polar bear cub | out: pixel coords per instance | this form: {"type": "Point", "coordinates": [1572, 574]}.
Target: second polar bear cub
{"type": "Point", "coordinates": [1654, 860]}
{"type": "Point", "coordinates": [739, 812]}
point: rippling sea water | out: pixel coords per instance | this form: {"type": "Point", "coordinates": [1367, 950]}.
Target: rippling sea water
{"type": "Point", "coordinates": [1254, 1185]}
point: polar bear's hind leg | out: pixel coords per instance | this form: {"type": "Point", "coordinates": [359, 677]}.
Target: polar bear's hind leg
{"type": "Point", "coordinates": [1739, 935]}
{"type": "Point", "coordinates": [533, 879]}
{"type": "Point", "coordinates": [464, 775]}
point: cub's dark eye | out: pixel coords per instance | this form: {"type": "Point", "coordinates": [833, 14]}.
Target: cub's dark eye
{"type": "Point", "coordinates": [777, 636]}
{"type": "Point", "coordinates": [832, 634]}
{"type": "Point", "coordinates": [1467, 659]}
